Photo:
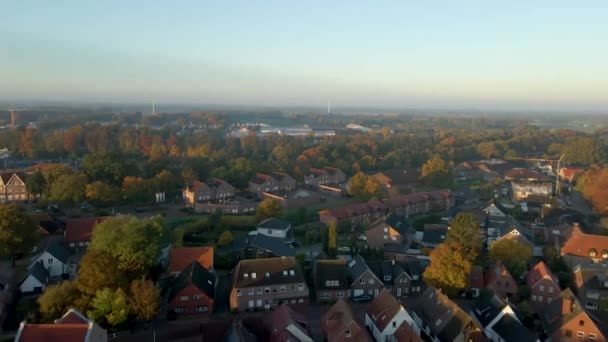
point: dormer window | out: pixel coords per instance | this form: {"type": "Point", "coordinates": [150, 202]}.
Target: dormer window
{"type": "Point", "coordinates": [592, 253]}
{"type": "Point", "coordinates": [285, 272]}
{"type": "Point", "coordinates": [253, 275]}
{"type": "Point", "coordinates": [267, 275]}
{"type": "Point", "coordinates": [605, 254]}
{"type": "Point", "coordinates": [292, 273]}
{"type": "Point", "coordinates": [246, 275]}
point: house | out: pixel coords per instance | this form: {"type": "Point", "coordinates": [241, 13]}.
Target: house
{"type": "Point", "coordinates": [476, 281]}
{"type": "Point", "coordinates": [263, 246]}
{"type": "Point", "coordinates": [543, 285]}
{"type": "Point", "coordinates": [262, 284]}
{"type": "Point", "coordinates": [499, 279]}
{"type": "Point", "coordinates": [591, 286]}
{"type": "Point", "coordinates": [213, 190]}
{"type": "Point", "coordinates": [56, 259]}
{"type": "Point", "coordinates": [356, 213]}
{"type": "Point", "coordinates": [182, 257]}
{"type": "Point", "coordinates": [36, 280]}
{"type": "Point", "coordinates": [570, 173]}
{"type": "Point", "coordinates": [443, 320]}
{"type": "Point", "coordinates": [330, 280]}
{"type": "Point", "coordinates": [286, 325]}
{"type": "Point", "coordinates": [402, 279]}
{"type": "Point", "coordinates": [275, 181]}
{"type": "Point", "coordinates": [499, 320]}
{"type": "Point", "coordinates": [325, 176]}
{"type": "Point", "coordinates": [584, 249]}
{"type": "Point", "coordinates": [433, 235]}
{"type": "Point", "coordinates": [509, 229]}
{"type": "Point", "coordinates": [73, 326]}
{"type": "Point", "coordinates": [193, 291]}
{"type": "Point", "coordinates": [362, 279]}
{"type": "Point", "coordinates": [383, 233]}
{"type": "Point", "coordinates": [275, 228]}
{"type": "Point", "coordinates": [339, 324]}
{"type": "Point", "coordinates": [523, 174]}
{"type": "Point", "coordinates": [12, 187]}
{"type": "Point", "coordinates": [521, 190]}
{"type": "Point", "coordinates": [79, 231]}
{"type": "Point", "coordinates": [494, 213]}
{"type": "Point", "coordinates": [293, 199]}
{"type": "Point", "coordinates": [564, 319]}
{"type": "Point", "coordinates": [399, 179]}
{"type": "Point", "coordinates": [47, 224]}
{"type": "Point", "coordinates": [227, 206]}
{"type": "Point", "coordinates": [385, 314]}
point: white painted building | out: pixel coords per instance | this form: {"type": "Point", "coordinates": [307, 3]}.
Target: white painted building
{"type": "Point", "coordinates": [385, 315]}
{"type": "Point", "coordinates": [36, 280]}
{"type": "Point", "coordinates": [55, 259]}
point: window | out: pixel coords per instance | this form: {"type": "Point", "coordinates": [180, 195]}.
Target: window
{"type": "Point", "coordinates": [239, 293]}
{"type": "Point", "coordinates": [251, 292]}
{"type": "Point", "coordinates": [371, 280]}
{"type": "Point", "coordinates": [274, 290]}
{"type": "Point", "coordinates": [540, 299]}
{"type": "Point", "coordinates": [253, 275]}
{"type": "Point", "coordinates": [405, 289]}
{"type": "Point", "coordinates": [541, 288]}
{"type": "Point", "coordinates": [580, 335]}
{"type": "Point", "coordinates": [300, 287]}
{"type": "Point", "coordinates": [394, 324]}
{"type": "Point", "coordinates": [604, 256]}
{"type": "Point", "coordinates": [347, 333]}
{"type": "Point", "coordinates": [361, 281]}
{"type": "Point", "coordinates": [267, 275]}
{"type": "Point", "coordinates": [179, 310]}
{"type": "Point", "coordinates": [387, 278]}
{"type": "Point", "coordinates": [592, 336]}
{"type": "Point", "coordinates": [283, 289]}
{"type": "Point", "coordinates": [196, 297]}
{"type": "Point", "coordinates": [259, 290]}
{"type": "Point", "coordinates": [568, 333]}
{"type": "Point", "coordinates": [550, 288]}
{"type": "Point", "coordinates": [340, 295]}
{"type": "Point", "coordinates": [534, 298]}
{"type": "Point", "coordinates": [50, 260]}
{"type": "Point", "coordinates": [324, 295]}
{"type": "Point", "coordinates": [184, 298]}
{"type": "Point", "coordinates": [293, 288]}
{"type": "Point", "coordinates": [293, 301]}
{"type": "Point", "coordinates": [267, 290]}
{"type": "Point", "coordinates": [301, 300]}
{"type": "Point", "coordinates": [581, 323]}
{"type": "Point", "coordinates": [201, 309]}
{"type": "Point", "coordinates": [592, 253]}
{"type": "Point", "coordinates": [269, 231]}
{"type": "Point", "coordinates": [285, 272]}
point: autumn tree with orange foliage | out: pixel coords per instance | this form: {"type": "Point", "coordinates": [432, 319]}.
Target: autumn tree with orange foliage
{"type": "Point", "coordinates": [593, 184]}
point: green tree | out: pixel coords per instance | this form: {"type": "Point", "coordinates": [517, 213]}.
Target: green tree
{"type": "Point", "coordinates": [98, 270]}
{"type": "Point", "coordinates": [68, 188]}
{"type": "Point", "coordinates": [332, 239]}
{"type": "Point", "coordinates": [104, 167]}
{"type": "Point", "coordinates": [57, 299]}
{"type": "Point", "coordinates": [512, 254]}
{"type": "Point", "coordinates": [449, 269]}
{"type": "Point", "coordinates": [145, 299]}
{"type": "Point", "coordinates": [363, 187]}
{"type": "Point", "coordinates": [18, 232]}
{"type": "Point", "coordinates": [35, 183]}
{"type": "Point", "coordinates": [110, 306]}
{"type": "Point", "coordinates": [101, 193]}
{"type": "Point", "coordinates": [225, 239]}
{"type": "Point", "coordinates": [134, 243]}
{"type": "Point", "coordinates": [464, 232]}
{"type": "Point", "coordinates": [268, 208]}
{"type": "Point", "coordinates": [436, 171]}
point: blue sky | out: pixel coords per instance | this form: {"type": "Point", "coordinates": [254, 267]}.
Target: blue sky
{"type": "Point", "coordinates": [482, 54]}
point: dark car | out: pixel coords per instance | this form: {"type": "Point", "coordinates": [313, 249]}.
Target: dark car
{"type": "Point", "coordinates": [362, 299]}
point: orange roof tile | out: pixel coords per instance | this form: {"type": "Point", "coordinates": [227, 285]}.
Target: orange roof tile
{"type": "Point", "coordinates": [539, 272]}
{"type": "Point", "coordinates": [80, 229]}
{"type": "Point", "coordinates": [53, 332]}
{"type": "Point", "coordinates": [182, 257]}
{"type": "Point", "coordinates": [583, 244]}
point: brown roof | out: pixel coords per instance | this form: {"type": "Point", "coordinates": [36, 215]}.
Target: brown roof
{"type": "Point", "coordinates": [383, 309]}
{"type": "Point", "coordinates": [80, 229]}
{"type": "Point", "coordinates": [404, 333]}
{"type": "Point", "coordinates": [338, 320]}
{"type": "Point", "coordinates": [561, 311]}
{"type": "Point", "coordinates": [521, 173]}
{"type": "Point", "coordinates": [72, 317]}
{"type": "Point", "coordinates": [277, 322]}
{"type": "Point", "coordinates": [6, 176]}
{"type": "Point", "coordinates": [539, 272]}
{"type": "Point", "coordinates": [398, 176]}
{"type": "Point", "coordinates": [53, 332]}
{"type": "Point", "coordinates": [260, 178]}
{"type": "Point", "coordinates": [582, 244]}
{"type": "Point", "coordinates": [330, 270]}
{"type": "Point", "coordinates": [267, 271]}
{"type": "Point", "coordinates": [497, 270]}
{"type": "Point", "coordinates": [182, 257]}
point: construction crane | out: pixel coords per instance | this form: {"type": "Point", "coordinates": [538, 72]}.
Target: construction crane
{"type": "Point", "coordinates": [559, 161]}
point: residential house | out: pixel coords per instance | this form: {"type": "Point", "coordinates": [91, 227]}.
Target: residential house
{"type": "Point", "coordinates": [443, 320]}
{"type": "Point", "coordinates": [339, 324]}
{"type": "Point", "coordinates": [433, 235]}
{"type": "Point", "coordinates": [213, 190]}
{"type": "Point", "coordinates": [79, 231]}
{"type": "Point", "coordinates": [494, 213]}
{"type": "Point", "coordinates": [193, 291]}
{"type": "Point", "coordinates": [382, 233]}
{"type": "Point", "coordinates": [229, 206]}
{"type": "Point", "coordinates": [263, 246]}
{"type": "Point", "coordinates": [12, 187]}
{"type": "Point", "coordinates": [47, 224]}
{"type": "Point", "coordinates": [363, 280]}
{"type": "Point", "coordinates": [499, 279]}
{"type": "Point", "coordinates": [543, 285]}
{"type": "Point", "coordinates": [591, 286]}
{"type": "Point", "coordinates": [564, 319]}
{"type": "Point", "coordinates": [73, 326]}
{"type": "Point", "coordinates": [402, 279]}
{"type": "Point", "coordinates": [182, 257]}
{"type": "Point", "coordinates": [584, 249]}
{"type": "Point", "coordinates": [275, 228]}
{"type": "Point", "coordinates": [357, 213]}
{"type": "Point", "coordinates": [266, 283]}
{"type": "Point", "coordinates": [286, 325]}
{"type": "Point", "coordinates": [570, 173]}
{"type": "Point", "coordinates": [56, 259]}
{"type": "Point", "coordinates": [521, 190]}
{"type": "Point", "coordinates": [293, 199]}
{"type": "Point", "coordinates": [325, 176]}
{"type": "Point", "coordinates": [523, 174]}
{"type": "Point", "coordinates": [476, 281]}
{"type": "Point", "coordinates": [330, 280]}
{"type": "Point", "coordinates": [556, 234]}
{"type": "Point", "coordinates": [385, 314]}
{"type": "Point", "coordinates": [499, 320]}
{"type": "Point", "coordinates": [398, 179]}
{"type": "Point", "coordinates": [36, 280]}
{"type": "Point", "coordinates": [509, 229]}
{"type": "Point", "coordinates": [275, 181]}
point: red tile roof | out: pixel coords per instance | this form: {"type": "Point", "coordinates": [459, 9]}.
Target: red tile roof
{"type": "Point", "coordinates": [72, 317]}
{"type": "Point", "coordinates": [538, 272]}
{"type": "Point", "coordinates": [339, 319]}
{"type": "Point", "coordinates": [584, 245]}
{"type": "Point", "coordinates": [383, 309]}
{"type": "Point", "coordinates": [570, 173]}
{"type": "Point", "coordinates": [521, 173]}
{"type": "Point", "coordinates": [54, 332]}
{"type": "Point", "coordinates": [279, 320]}
{"type": "Point", "coordinates": [80, 229]}
{"type": "Point", "coordinates": [404, 333]}
{"type": "Point", "coordinates": [182, 257]}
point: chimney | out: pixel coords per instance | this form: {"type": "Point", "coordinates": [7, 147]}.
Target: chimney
{"type": "Point", "coordinates": [566, 305]}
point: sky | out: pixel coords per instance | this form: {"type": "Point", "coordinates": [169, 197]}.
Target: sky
{"type": "Point", "coordinates": [478, 54]}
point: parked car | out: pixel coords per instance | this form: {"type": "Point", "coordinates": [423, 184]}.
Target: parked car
{"type": "Point", "coordinates": [362, 299]}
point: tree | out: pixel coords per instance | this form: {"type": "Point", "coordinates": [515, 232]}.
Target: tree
{"type": "Point", "coordinates": [57, 299]}
{"type": "Point", "coordinates": [18, 232]}
{"type": "Point", "coordinates": [464, 232]}
{"type": "Point", "coordinates": [98, 270]}
{"type": "Point", "coordinates": [136, 189]}
{"type": "Point", "coordinates": [104, 167]}
{"type": "Point", "coordinates": [449, 269]}
{"type": "Point", "coordinates": [102, 193]}
{"type": "Point", "coordinates": [436, 171]}
{"type": "Point", "coordinates": [225, 239]}
{"type": "Point", "coordinates": [512, 254]}
{"type": "Point", "coordinates": [332, 239]}
{"type": "Point", "coordinates": [145, 299]}
{"type": "Point", "coordinates": [593, 185]}
{"type": "Point", "coordinates": [363, 187]}
{"type": "Point", "coordinates": [134, 243]}
{"type": "Point", "coordinates": [110, 306]}
{"type": "Point", "coordinates": [68, 188]}
{"type": "Point", "coordinates": [35, 183]}
{"type": "Point", "coordinates": [268, 208]}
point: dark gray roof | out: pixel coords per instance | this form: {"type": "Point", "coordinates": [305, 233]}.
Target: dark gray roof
{"type": "Point", "coordinates": [273, 223]}
{"type": "Point", "coordinates": [39, 272]}
{"type": "Point", "coordinates": [267, 271]}
{"type": "Point", "coordinates": [512, 224]}
{"type": "Point", "coordinates": [59, 252]}
{"type": "Point", "coordinates": [330, 270]}
{"type": "Point", "coordinates": [357, 267]}
{"type": "Point", "coordinates": [510, 329]}
{"type": "Point", "coordinates": [198, 276]}
{"type": "Point", "coordinates": [400, 223]}
{"type": "Point", "coordinates": [434, 233]}
{"type": "Point", "coordinates": [276, 246]}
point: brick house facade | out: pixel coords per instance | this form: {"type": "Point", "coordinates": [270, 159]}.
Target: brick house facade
{"type": "Point", "coordinates": [193, 292]}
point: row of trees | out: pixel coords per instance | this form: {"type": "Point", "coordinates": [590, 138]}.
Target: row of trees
{"type": "Point", "coordinates": [592, 185]}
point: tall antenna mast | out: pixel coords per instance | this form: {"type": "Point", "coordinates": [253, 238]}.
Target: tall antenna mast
{"type": "Point", "coordinates": [328, 107]}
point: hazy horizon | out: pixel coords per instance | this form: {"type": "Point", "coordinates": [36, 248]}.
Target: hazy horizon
{"type": "Point", "coordinates": [517, 56]}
